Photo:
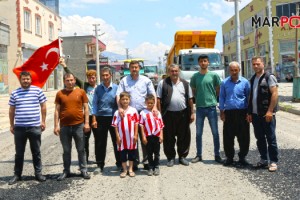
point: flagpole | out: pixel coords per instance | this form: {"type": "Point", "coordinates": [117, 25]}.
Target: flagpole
{"type": "Point", "coordinates": [97, 54]}
{"type": "Point", "coordinates": [59, 45]}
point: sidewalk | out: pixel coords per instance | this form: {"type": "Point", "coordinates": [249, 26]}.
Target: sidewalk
{"type": "Point", "coordinates": [285, 104]}
{"type": "Point", "coordinates": [285, 91]}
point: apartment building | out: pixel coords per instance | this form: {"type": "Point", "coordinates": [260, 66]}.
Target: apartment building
{"type": "Point", "coordinates": [257, 40]}
{"type": "Point", "coordinates": [80, 53]}
{"type": "Point", "coordinates": [29, 24]}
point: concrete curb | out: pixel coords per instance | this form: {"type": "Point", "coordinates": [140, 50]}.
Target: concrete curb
{"type": "Point", "coordinates": [292, 110]}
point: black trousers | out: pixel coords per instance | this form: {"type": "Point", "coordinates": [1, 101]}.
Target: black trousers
{"type": "Point", "coordinates": [104, 125]}
{"type": "Point", "coordinates": [236, 125]}
{"type": "Point", "coordinates": [144, 151]}
{"type": "Point", "coordinates": [21, 135]}
{"type": "Point", "coordinates": [87, 136]}
{"type": "Point", "coordinates": [177, 124]}
{"type": "Point", "coordinates": [153, 149]}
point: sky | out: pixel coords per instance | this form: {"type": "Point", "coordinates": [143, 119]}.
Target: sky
{"type": "Point", "coordinates": [145, 27]}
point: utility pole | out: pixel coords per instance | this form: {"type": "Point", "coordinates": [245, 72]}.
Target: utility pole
{"type": "Point", "coordinates": [270, 29]}
{"type": "Point", "coordinates": [237, 32]}
{"type": "Point", "coordinates": [159, 62]}
{"type": "Point", "coordinates": [127, 53]}
{"type": "Point", "coordinates": [296, 76]}
{"type": "Point", "coordinates": [97, 53]}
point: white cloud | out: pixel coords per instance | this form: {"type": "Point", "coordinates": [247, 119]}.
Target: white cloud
{"type": "Point", "coordinates": [223, 9]}
{"type": "Point", "coordinates": [150, 51]}
{"type": "Point", "coordinates": [188, 22]}
{"type": "Point", "coordinates": [159, 25]}
{"type": "Point", "coordinates": [115, 40]}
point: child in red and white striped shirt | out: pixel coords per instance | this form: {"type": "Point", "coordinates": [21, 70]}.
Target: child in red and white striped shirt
{"type": "Point", "coordinates": [126, 133]}
{"type": "Point", "coordinates": [152, 133]}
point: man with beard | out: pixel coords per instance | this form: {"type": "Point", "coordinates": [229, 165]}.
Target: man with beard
{"type": "Point", "coordinates": [26, 103]}
{"type": "Point", "coordinates": [71, 120]}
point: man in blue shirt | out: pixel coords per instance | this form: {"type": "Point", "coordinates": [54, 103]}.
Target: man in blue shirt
{"type": "Point", "coordinates": [104, 106]}
{"type": "Point", "coordinates": [234, 95]}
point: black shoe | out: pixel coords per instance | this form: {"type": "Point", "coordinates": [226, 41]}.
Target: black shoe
{"type": "Point", "coordinates": [40, 177]}
{"type": "Point", "coordinates": [63, 176]}
{"type": "Point", "coordinates": [85, 175]}
{"type": "Point", "coordinates": [196, 159]}
{"type": "Point", "coordinates": [14, 179]}
{"type": "Point", "coordinates": [228, 162]}
{"type": "Point", "coordinates": [146, 166]}
{"type": "Point", "coordinates": [218, 159]}
{"type": "Point", "coordinates": [243, 162]}
{"type": "Point", "coordinates": [170, 163]}
{"type": "Point", "coordinates": [184, 162]}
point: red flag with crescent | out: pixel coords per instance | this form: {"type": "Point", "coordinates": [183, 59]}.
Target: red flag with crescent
{"type": "Point", "coordinates": [42, 63]}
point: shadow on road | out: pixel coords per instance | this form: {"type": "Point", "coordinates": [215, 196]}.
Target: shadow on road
{"type": "Point", "coordinates": [283, 184]}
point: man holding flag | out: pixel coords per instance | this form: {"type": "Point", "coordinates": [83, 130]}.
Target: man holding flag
{"type": "Point", "coordinates": [27, 102]}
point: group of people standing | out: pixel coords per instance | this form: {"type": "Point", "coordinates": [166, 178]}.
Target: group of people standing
{"type": "Point", "coordinates": [133, 109]}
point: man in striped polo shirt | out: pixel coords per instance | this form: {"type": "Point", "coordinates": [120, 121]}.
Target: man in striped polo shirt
{"type": "Point", "coordinates": [26, 103]}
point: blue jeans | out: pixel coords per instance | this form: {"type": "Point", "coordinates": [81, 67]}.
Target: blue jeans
{"type": "Point", "coordinates": [33, 134]}
{"type": "Point", "coordinates": [211, 114]}
{"type": "Point", "coordinates": [266, 138]}
{"type": "Point", "coordinates": [66, 135]}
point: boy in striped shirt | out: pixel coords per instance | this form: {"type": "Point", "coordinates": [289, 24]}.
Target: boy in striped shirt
{"type": "Point", "coordinates": [126, 133]}
{"type": "Point", "coordinates": [152, 133]}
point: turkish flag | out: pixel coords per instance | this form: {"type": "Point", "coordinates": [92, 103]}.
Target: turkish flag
{"type": "Point", "coordinates": [41, 64]}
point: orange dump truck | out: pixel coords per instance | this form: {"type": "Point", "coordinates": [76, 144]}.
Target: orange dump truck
{"type": "Point", "coordinates": [187, 47]}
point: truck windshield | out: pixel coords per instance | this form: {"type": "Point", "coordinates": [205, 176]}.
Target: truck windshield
{"type": "Point", "coordinates": [189, 62]}
{"type": "Point", "coordinates": [150, 69]}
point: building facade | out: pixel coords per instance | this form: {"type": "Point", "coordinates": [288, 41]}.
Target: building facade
{"type": "Point", "coordinates": [256, 40]}
{"type": "Point", "coordinates": [80, 53]}
{"type": "Point", "coordinates": [31, 25]}
{"type": "Point", "coordinates": [4, 43]}
{"type": "Point", "coordinates": [52, 4]}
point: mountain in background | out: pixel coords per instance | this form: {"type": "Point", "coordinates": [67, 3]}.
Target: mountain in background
{"type": "Point", "coordinates": [113, 56]}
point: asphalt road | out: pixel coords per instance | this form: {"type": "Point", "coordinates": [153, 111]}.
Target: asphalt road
{"type": "Point", "coordinates": [204, 180]}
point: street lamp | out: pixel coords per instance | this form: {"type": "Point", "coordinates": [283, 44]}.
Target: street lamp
{"type": "Point", "coordinates": [237, 31]}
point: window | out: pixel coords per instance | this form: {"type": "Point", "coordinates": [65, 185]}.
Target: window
{"type": "Point", "coordinates": [89, 49]}
{"type": "Point", "coordinates": [226, 38]}
{"type": "Point", "coordinates": [38, 26]}
{"type": "Point", "coordinates": [249, 53]}
{"type": "Point", "coordinates": [51, 31]}
{"type": "Point", "coordinates": [232, 35]}
{"type": "Point", "coordinates": [248, 26]}
{"type": "Point", "coordinates": [27, 20]}
{"type": "Point", "coordinates": [287, 9]}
